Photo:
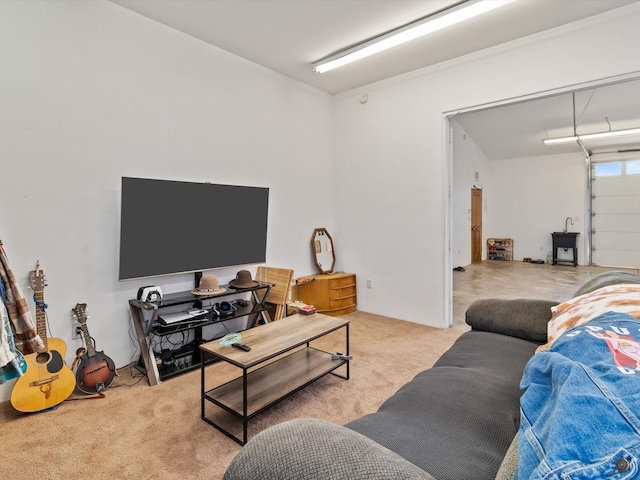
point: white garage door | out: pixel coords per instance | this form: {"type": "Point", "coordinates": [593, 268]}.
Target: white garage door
{"type": "Point", "coordinates": [616, 203]}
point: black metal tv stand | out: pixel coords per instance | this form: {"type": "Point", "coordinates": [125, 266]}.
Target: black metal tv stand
{"type": "Point", "coordinates": [145, 321]}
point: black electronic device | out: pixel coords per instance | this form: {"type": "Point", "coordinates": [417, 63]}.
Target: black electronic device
{"type": "Point", "coordinates": [241, 346]}
{"type": "Point", "coordinates": [224, 310]}
{"type": "Point", "coordinates": [169, 227]}
{"type": "Point", "coordinates": [178, 359]}
{"type": "Point", "coordinates": [167, 358]}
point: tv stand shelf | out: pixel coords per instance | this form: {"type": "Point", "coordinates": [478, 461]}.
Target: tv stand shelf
{"type": "Point", "coordinates": [147, 325]}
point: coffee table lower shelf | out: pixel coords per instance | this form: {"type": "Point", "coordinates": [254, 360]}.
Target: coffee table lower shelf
{"type": "Point", "coordinates": [259, 389]}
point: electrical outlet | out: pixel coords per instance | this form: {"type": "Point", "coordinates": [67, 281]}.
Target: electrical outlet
{"type": "Point", "coordinates": [76, 331]}
{"type": "Point", "coordinates": [368, 283]}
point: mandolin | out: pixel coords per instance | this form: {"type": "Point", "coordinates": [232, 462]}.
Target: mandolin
{"type": "Point", "coordinates": [48, 380]}
{"type": "Point", "coordinates": [96, 370]}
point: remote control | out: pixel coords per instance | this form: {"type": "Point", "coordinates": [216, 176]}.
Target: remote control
{"type": "Point", "coordinates": [241, 346]}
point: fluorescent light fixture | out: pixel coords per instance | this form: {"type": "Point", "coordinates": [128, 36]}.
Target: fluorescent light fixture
{"type": "Point", "coordinates": [437, 21]}
{"type": "Point", "coordinates": [592, 136]}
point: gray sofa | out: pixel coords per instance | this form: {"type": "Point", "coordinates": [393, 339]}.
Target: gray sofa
{"type": "Point", "coordinates": [454, 421]}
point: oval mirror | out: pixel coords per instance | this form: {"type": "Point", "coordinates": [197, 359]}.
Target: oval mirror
{"type": "Point", "coordinates": [322, 250]}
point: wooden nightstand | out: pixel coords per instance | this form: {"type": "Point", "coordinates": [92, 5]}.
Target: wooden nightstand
{"type": "Point", "coordinates": [331, 293]}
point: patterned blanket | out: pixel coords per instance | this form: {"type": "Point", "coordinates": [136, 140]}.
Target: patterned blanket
{"type": "Point", "coordinates": [26, 339]}
{"type": "Point", "coordinates": [621, 298]}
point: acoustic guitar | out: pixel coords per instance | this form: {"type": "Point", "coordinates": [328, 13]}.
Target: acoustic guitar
{"type": "Point", "coordinates": [96, 370]}
{"type": "Point", "coordinates": [48, 380]}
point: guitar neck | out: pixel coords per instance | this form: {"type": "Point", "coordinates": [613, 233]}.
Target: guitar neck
{"type": "Point", "coordinates": [41, 319]}
{"type": "Point", "coordinates": [88, 341]}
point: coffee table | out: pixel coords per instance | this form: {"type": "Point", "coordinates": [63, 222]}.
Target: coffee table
{"type": "Point", "coordinates": [264, 382]}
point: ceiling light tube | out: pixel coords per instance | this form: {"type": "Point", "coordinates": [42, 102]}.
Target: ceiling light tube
{"type": "Point", "coordinates": [559, 140]}
{"type": "Point", "coordinates": [592, 136]}
{"type": "Point", "coordinates": [442, 19]}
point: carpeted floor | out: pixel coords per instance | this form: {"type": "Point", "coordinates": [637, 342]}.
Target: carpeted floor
{"type": "Point", "coordinates": [141, 432]}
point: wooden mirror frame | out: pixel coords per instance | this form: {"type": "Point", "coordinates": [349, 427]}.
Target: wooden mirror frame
{"type": "Point", "coordinates": [321, 249]}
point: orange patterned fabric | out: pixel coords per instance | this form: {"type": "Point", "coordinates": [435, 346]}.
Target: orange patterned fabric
{"type": "Point", "coordinates": [622, 298]}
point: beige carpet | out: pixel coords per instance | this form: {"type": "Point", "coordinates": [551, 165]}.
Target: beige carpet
{"type": "Point", "coordinates": [141, 432]}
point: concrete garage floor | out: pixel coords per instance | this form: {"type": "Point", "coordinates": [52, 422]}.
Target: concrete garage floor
{"type": "Point", "coordinates": [499, 279]}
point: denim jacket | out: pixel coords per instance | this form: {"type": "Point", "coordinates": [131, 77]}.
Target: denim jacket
{"type": "Point", "coordinates": [580, 404]}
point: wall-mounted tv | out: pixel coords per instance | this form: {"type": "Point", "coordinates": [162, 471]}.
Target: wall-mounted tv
{"type": "Point", "coordinates": [169, 227]}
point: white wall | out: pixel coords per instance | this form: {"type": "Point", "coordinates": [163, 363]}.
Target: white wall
{"type": "Point", "coordinates": [468, 159]}
{"type": "Point", "coordinates": [532, 197]}
{"type": "Point", "coordinates": [391, 169]}
{"type": "Point", "coordinates": [91, 92]}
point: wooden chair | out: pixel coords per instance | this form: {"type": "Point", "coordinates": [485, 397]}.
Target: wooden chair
{"type": "Point", "coordinates": [279, 294]}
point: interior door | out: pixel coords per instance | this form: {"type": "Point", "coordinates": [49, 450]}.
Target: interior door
{"type": "Point", "coordinates": [476, 225]}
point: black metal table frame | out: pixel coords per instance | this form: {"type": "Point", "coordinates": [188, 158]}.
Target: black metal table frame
{"type": "Point", "coordinates": [245, 373]}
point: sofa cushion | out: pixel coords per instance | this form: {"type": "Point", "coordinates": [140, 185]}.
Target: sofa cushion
{"type": "Point", "coordinates": [308, 448]}
{"type": "Point", "coordinates": [510, 463]}
{"type": "Point", "coordinates": [457, 419]}
{"type": "Point", "coordinates": [521, 317]}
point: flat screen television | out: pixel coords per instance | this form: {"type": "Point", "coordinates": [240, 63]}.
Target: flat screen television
{"type": "Point", "coordinates": [169, 227]}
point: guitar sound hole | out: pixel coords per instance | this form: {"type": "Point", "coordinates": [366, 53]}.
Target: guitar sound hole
{"type": "Point", "coordinates": [43, 358]}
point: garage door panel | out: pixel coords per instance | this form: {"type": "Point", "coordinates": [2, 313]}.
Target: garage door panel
{"type": "Point", "coordinates": [616, 240]}
{"type": "Point", "coordinates": [622, 185]}
{"type": "Point", "coordinates": [617, 258]}
{"type": "Point", "coordinates": [616, 222]}
{"type": "Point", "coordinates": [618, 203]}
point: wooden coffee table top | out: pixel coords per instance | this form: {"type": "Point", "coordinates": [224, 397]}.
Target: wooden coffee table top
{"type": "Point", "coordinates": [272, 339]}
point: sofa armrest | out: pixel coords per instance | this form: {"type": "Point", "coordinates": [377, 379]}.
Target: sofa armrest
{"type": "Point", "coordinates": [306, 448]}
{"type": "Point", "coordinates": [522, 318]}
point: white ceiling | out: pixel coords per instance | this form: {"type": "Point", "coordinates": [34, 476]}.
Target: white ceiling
{"type": "Point", "coordinates": [287, 36]}
{"type": "Point", "coordinates": [517, 130]}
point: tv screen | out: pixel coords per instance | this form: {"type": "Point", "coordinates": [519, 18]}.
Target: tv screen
{"type": "Point", "coordinates": [169, 227]}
